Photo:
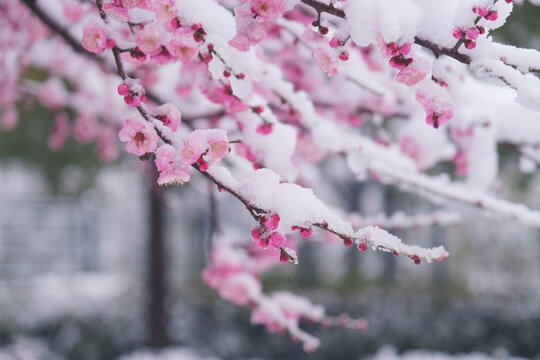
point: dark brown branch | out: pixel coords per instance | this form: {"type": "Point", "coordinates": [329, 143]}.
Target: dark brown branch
{"type": "Point", "coordinates": [321, 7]}
{"type": "Point", "coordinates": [438, 51]}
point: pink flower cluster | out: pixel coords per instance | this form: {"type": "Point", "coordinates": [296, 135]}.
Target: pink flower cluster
{"type": "Point", "coordinates": [328, 52]}
{"type": "Point", "coordinates": [204, 146]}
{"type": "Point", "coordinates": [412, 70]}
{"type": "Point", "coordinates": [164, 40]}
{"type": "Point", "coordinates": [171, 169]}
{"type": "Point", "coordinates": [397, 54]}
{"type": "Point", "coordinates": [470, 35]}
{"type": "Point", "coordinates": [233, 274]}
{"type": "Point", "coordinates": [183, 45]}
{"type": "Point", "coordinates": [200, 147]}
{"type": "Point", "coordinates": [252, 19]}
{"type": "Point", "coordinates": [264, 234]}
{"type": "Point", "coordinates": [486, 13]}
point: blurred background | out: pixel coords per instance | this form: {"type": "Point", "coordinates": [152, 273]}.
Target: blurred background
{"type": "Point", "coordinates": [96, 263]}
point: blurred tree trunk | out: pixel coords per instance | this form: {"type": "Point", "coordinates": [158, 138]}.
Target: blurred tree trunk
{"type": "Point", "coordinates": [157, 321]}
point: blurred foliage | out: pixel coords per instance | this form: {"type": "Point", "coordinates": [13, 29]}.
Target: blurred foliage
{"type": "Point", "coordinates": [522, 27]}
{"type": "Point", "coordinates": [28, 143]}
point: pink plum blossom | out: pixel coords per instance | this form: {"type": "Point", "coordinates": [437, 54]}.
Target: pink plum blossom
{"type": "Point", "coordinates": [240, 42]}
{"type": "Point", "coordinates": [212, 141]}
{"type": "Point", "coordinates": [327, 60]}
{"type": "Point", "coordinates": [437, 103]}
{"type": "Point", "coordinates": [132, 91]}
{"type": "Point", "coordinates": [268, 9]}
{"type": "Point", "coordinates": [414, 73]}
{"type": "Point", "coordinates": [165, 10]}
{"type": "Point", "coordinates": [172, 171]}
{"type": "Point", "coordinates": [182, 46]}
{"type": "Point", "coordinates": [215, 274]}
{"type": "Point", "coordinates": [259, 236]}
{"type": "Point", "coordinates": [458, 33]}
{"type": "Point", "coordinates": [151, 38]}
{"type": "Point", "coordinates": [240, 288]}
{"type": "Point", "coordinates": [94, 38]}
{"type": "Point", "coordinates": [492, 15]}
{"type": "Point", "coordinates": [116, 12]}
{"type": "Point", "coordinates": [276, 239]}
{"type": "Point", "coordinates": [169, 115]}
{"type": "Point", "coordinates": [191, 152]}
{"type": "Point", "coordinates": [265, 128]}
{"type": "Point", "coordinates": [250, 30]}
{"type": "Point", "coordinates": [218, 147]}
{"type": "Point", "coordinates": [140, 137]}
{"type": "Point", "coordinates": [472, 33]}
{"type": "Point", "coordinates": [305, 233]}
{"type": "Point", "coordinates": [271, 221]}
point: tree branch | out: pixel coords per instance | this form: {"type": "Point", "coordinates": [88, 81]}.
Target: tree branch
{"type": "Point", "coordinates": [437, 50]}
{"type": "Point", "coordinates": [321, 7]}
